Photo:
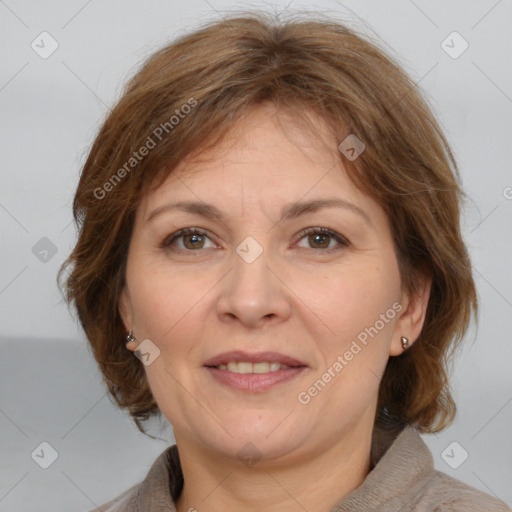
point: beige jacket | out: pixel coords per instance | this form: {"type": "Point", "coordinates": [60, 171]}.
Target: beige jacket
{"type": "Point", "coordinates": [403, 479]}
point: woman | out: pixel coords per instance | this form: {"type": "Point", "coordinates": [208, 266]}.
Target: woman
{"type": "Point", "coordinates": [269, 222]}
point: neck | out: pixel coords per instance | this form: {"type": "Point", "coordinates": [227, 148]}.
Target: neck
{"type": "Point", "coordinates": [217, 484]}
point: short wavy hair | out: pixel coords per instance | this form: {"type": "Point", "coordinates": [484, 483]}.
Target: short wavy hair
{"type": "Point", "coordinates": [187, 96]}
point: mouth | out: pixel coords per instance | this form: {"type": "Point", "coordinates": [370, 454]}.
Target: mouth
{"type": "Point", "coordinates": [254, 372]}
{"type": "Point", "coordinates": [248, 367]}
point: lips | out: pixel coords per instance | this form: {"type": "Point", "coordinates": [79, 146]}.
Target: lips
{"type": "Point", "coordinates": [256, 357]}
{"type": "Point", "coordinates": [254, 372]}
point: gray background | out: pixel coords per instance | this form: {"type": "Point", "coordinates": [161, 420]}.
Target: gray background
{"type": "Point", "coordinates": [51, 108]}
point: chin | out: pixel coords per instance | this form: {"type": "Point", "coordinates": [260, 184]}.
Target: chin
{"type": "Point", "coordinates": [266, 440]}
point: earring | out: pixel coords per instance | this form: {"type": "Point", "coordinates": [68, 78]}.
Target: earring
{"type": "Point", "coordinates": [129, 337]}
{"type": "Point", "coordinates": [405, 342]}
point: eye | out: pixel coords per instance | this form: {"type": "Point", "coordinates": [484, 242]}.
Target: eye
{"type": "Point", "coordinates": [321, 238]}
{"type": "Point", "coordinates": [191, 238]}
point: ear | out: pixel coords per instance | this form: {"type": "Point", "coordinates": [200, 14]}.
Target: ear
{"type": "Point", "coordinates": [412, 316]}
{"type": "Point", "coordinates": [126, 313]}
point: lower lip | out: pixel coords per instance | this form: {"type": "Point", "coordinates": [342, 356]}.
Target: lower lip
{"type": "Point", "coordinates": [254, 381]}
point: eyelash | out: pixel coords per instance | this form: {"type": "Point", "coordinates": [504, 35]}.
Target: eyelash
{"type": "Point", "coordinates": [170, 239]}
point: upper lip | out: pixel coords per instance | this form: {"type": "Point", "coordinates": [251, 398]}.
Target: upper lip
{"type": "Point", "coordinates": [255, 357]}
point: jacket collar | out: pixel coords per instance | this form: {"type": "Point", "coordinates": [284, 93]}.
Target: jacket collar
{"type": "Point", "coordinates": [399, 465]}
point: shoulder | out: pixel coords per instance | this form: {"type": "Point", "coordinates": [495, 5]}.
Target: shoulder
{"type": "Point", "coordinates": [154, 492]}
{"type": "Point", "coordinates": [125, 502]}
{"type": "Point", "coordinates": [404, 478]}
{"type": "Point", "coordinates": [448, 494]}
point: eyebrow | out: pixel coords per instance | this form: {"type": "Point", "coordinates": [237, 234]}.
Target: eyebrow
{"type": "Point", "coordinates": [290, 211]}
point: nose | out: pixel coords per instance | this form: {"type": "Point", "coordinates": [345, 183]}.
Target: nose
{"type": "Point", "coordinates": [253, 294]}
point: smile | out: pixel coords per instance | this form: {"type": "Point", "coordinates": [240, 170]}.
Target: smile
{"type": "Point", "coordinates": [247, 367]}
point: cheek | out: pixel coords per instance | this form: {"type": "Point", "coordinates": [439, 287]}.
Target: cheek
{"type": "Point", "coordinates": [348, 301]}
{"type": "Point", "coordinates": [170, 309]}
{"type": "Point", "coordinates": [359, 312]}
{"type": "Point", "coordinates": [164, 299]}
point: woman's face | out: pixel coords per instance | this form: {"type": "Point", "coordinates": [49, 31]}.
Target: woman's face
{"type": "Point", "coordinates": [259, 276]}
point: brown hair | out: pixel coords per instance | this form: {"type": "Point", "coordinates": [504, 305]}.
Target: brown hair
{"type": "Point", "coordinates": [218, 73]}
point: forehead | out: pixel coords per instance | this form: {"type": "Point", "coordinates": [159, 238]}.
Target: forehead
{"type": "Point", "coordinates": [269, 153]}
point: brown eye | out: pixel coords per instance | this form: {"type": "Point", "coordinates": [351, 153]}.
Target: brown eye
{"type": "Point", "coordinates": [319, 240]}
{"type": "Point", "coordinates": [323, 238]}
{"type": "Point", "coordinates": [186, 240]}
{"type": "Point", "coordinates": [193, 241]}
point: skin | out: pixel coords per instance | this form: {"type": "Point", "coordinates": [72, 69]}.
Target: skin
{"type": "Point", "coordinates": [305, 296]}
